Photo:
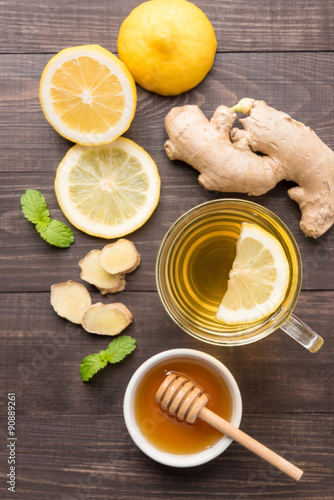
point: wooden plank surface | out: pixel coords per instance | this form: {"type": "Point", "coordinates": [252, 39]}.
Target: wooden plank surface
{"type": "Point", "coordinates": [52, 356]}
{"type": "Point", "coordinates": [72, 440]}
{"type": "Point", "coordinates": [113, 467]}
{"type": "Point", "coordinates": [78, 433]}
{"type": "Point", "coordinates": [255, 25]}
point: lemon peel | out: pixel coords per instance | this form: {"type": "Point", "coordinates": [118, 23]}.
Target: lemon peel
{"type": "Point", "coordinates": [88, 95]}
{"type": "Point", "coordinates": [168, 46]}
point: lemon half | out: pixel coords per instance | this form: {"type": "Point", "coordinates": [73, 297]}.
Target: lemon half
{"type": "Point", "coordinates": [258, 279]}
{"type": "Point", "coordinates": [88, 95]}
{"type": "Point", "coordinates": [110, 190]}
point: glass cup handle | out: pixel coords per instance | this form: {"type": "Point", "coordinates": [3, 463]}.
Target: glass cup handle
{"type": "Point", "coordinates": [301, 332]}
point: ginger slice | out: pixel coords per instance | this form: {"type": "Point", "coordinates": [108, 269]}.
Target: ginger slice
{"type": "Point", "coordinates": [93, 273]}
{"type": "Point", "coordinates": [70, 300]}
{"type": "Point", "coordinates": [106, 319]}
{"type": "Point", "coordinates": [119, 257]}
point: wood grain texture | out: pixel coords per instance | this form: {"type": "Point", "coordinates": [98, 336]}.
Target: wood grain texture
{"type": "Point", "coordinates": [76, 431]}
{"type": "Point", "coordinates": [31, 151]}
{"type": "Point", "coordinates": [27, 263]}
{"type": "Point", "coordinates": [255, 25]}
{"type": "Point", "coordinates": [79, 457]}
{"type": "Point", "coordinates": [299, 84]}
{"type": "Point", "coordinates": [44, 351]}
{"type": "Point", "coordinates": [72, 440]}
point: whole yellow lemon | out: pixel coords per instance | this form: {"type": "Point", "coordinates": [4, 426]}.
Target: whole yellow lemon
{"type": "Point", "coordinates": [167, 45]}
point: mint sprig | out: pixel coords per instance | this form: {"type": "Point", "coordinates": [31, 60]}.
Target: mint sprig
{"type": "Point", "coordinates": [92, 364]}
{"type": "Point", "coordinates": [116, 351]}
{"type": "Point", "coordinates": [53, 231]}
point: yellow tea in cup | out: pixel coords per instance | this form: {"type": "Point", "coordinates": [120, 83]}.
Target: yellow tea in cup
{"type": "Point", "coordinates": [193, 266]}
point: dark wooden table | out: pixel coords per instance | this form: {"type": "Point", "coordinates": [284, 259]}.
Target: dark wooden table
{"type": "Point", "coordinates": [72, 443]}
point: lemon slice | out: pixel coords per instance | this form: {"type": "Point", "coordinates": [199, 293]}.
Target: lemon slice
{"type": "Point", "coordinates": [258, 279]}
{"type": "Point", "coordinates": [88, 95]}
{"type": "Point", "coordinates": [110, 190]}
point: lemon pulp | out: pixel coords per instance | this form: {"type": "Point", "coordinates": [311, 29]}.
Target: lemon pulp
{"type": "Point", "coordinates": [109, 190]}
{"type": "Point", "coordinates": [258, 279]}
{"type": "Point", "coordinates": [88, 95]}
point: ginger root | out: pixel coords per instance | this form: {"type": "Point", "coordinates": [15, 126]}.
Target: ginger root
{"type": "Point", "coordinates": [106, 319]}
{"type": "Point", "coordinates": [106, 268]}
{"type": "Point", "coordinates": [227, 157]}
{"type": "Point", "coordinates": [70, 300]}
{"type": "Point", "coordinates": [119, 257]}
{"type": "Point", "coordinates": [93, 273]}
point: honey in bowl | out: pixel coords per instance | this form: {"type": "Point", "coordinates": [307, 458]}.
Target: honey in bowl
{"type": "Point", "coordinates": [167, 433]}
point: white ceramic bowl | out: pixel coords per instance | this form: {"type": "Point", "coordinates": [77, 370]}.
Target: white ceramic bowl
{"type": "Point", "coordinates": [176, 460]}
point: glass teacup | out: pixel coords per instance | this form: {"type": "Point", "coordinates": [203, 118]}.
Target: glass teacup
{"type": "Point", "coordinates": [192, 268]}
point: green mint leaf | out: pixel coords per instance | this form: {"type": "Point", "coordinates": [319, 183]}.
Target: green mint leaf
{"type": "Point", "coordinates": [56, 233]}
{"type": "Point", "coordinates": [90, 365]}
{"type": "Point", "coordinates": [115, 352]}
{"type": "Point", "coordinates": [119, 348]}
{"type": "Point", "coordinates": [104, 356]}
{"type": "Point", "coordinates": [34, 206]}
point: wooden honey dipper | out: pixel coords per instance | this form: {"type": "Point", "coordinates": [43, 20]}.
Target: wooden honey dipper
{"type": "Point", "coordinates": [185, 399]}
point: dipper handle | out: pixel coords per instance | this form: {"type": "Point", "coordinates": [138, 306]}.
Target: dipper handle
{"type": "Point", "coordinates": [186, 400]}
{"type": "Point", "coordinates": [251, 444]}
